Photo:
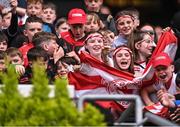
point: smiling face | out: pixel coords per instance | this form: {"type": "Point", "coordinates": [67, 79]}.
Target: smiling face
{"type": "Point", "coordinates": [164, 73]}
{"type": "Point", "coordinates": [62, 69]}
{"type": "Point", "coordinates": [95, 45]}
{"type": "Point", "coordinates": [125, 25]}
{"type": "Point", "coordinates": [145, 46]}
{"type": "Point", "coordinates": [123, 59]}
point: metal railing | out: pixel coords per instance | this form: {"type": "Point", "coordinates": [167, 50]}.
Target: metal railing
{"type": "Point", "coordinates": [117, 97]}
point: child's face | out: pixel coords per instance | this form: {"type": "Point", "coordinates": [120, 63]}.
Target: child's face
{"type": "Point", "coordinates": [77, 30]}
{"type": "Point", "coordinates": [94, 45]}
{"type": "Point", "coordinates": [91, 25]}
{"type": "Point", "coordinates": [62, 69]}
{"type": "Point", "coordinates": [2, 65]}
{"type": "Point", "coordinates": [63, 28]}
{"type": "Point", "coordinates": [93, 5]}
{"type": "Point", "coordinates": [145, 47]}
{"type": "Point", "coordinates": [15, 60]}
{"type": "Point", "coordinates": [149, 29]}
{"type": "Point", "coordinates": [31, 29]}
{"type": "Point", "coordinates": [6, 21]}
{"type": "Point", "coordinates": [48, 15]}
{"type": "Point", "coordinates": [34, 9]}
{"type": "Point", "coordinates": [51, 47]}
{"type": "Point", "coordinates": [123, 59]}
{"type": "Point", "coordinates": [108, 39]}
{"type": "Point", "coordinates": [164, 73]}
{"type": "Point", "coordinates": [3, 46]}
{"type": "Point", "coordinates": [125, 25]}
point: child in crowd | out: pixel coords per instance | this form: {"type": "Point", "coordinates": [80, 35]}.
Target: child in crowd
{"type": "Point", "coordinates": [61, 25]}
{"type": "Point", "coordinates": [94, 45]}
{"type": "Point", "coordinates": [142, 46]}
{"type": "Point", "coordinates": [35, 54]}
{"type": "Point", "coordinates": [15, 56]}
{"type": "Point", "coordinates": [93, 23]}
{"type": "Point", "coordinates": [11, 27]}
{"type": "Point", "coordinates": [34, 7]}
{"type": "Point", "coordinates": [47, 41]}
{"type": "Point", "coordinates": [107, 19]}
{"type": "Point", "coordinates": [48, 14]}
{"type": "Point", "coordinates": [123, 59]}
{"type": "Point", "coordinates": [149, 29]}
{"type": "Point", "coordinates": [6, 20]}
{"type": "Point", "coordinates": [135, 13]}
{"type": "Point", "coordinates": [109, 37]}
{"type": "Point", "coordinates": [3, 41]}
{"type": "Point", "coordinates": [166, 79]}
{"type": "Point", "coordinates": [124, 26]}
{"type": "Point", "coordinates": [32, 26]}
{"type": "Point", "coordinates": [64, 65]}
{"type": "Point", "coordinates": [73, 40]}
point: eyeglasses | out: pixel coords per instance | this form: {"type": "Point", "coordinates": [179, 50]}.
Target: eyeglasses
{"type": "Point", "coordinates": [149, 32]}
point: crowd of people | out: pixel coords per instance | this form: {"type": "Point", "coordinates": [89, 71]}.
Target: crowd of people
{"type": "Point", "coordinates": [36, 33]}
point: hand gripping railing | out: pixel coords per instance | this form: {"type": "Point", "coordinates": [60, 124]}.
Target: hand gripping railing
{"type": "Point", "coordinates": [116, 97]}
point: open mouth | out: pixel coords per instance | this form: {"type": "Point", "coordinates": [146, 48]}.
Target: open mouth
{"type": "Point", "coordinates": [124, 63]}
{"type": "Point", "coordinates": [162, 76]}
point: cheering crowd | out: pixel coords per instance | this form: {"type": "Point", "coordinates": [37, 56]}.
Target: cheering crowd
{"type": "Point", "coordinates": [90, 46]}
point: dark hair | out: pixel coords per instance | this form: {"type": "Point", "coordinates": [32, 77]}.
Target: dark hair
{"type": "Point", "coordinates": [49, 5]}
{"type": "Point", "coordinates": [3, 37]}
{"type": "Point", "coordinates": [36, 53]}
{"type": "Point", "coordinates": [42, 37]}
{"type": "Point", "coordinates": [33, 19]}
{"type": "Point", "coordinates": [67, 60]}
{"type": "Point", "coordinates": [60, 21]}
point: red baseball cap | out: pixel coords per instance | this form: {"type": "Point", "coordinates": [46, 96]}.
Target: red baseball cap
{"type": "Point", "coordinates": [162, 59]}
{"type": "Point", "coordinates": [76, 16]}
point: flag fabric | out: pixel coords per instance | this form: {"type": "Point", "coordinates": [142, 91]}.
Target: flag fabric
{"type": "Point", "coordinates": [157, 109]}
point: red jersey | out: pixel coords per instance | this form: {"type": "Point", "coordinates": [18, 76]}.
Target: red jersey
{"type": "Point", "coordinates": [24, 50]}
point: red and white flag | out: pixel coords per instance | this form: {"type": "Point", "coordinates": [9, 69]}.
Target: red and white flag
{"type": "Point", "coordinates": [157, 109]}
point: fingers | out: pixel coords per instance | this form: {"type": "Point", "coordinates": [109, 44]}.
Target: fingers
{"type": "Point", "coordinates": [20, 69]}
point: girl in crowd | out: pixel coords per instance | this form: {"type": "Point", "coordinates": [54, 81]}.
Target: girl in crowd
{"type": "Point", "coordinates": [123, 59]}
{"type": "Point", "coordinates": [61, 26]}
{"type": "Point", "coordinates": [149, 29]}
{"type": "Point", "coordinates": [94, 45]}
{"type": "Point", "coordinates": [124, 26]}
{"type": "Point", "coordinates": [93, 23]}
{"type": "Point", "coordinates": [142, 46]}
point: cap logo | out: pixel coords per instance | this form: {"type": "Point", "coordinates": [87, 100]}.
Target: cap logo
{"type": "Point", "coordinates": [77, 15]}
{"type": "Point", "coordinates": [160, 58]}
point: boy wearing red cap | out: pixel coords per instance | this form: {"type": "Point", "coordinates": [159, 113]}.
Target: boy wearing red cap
{"type": "Point", "coordinates": [73, 39]}
{"type": "Point", "coordinates": [166, 78]}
